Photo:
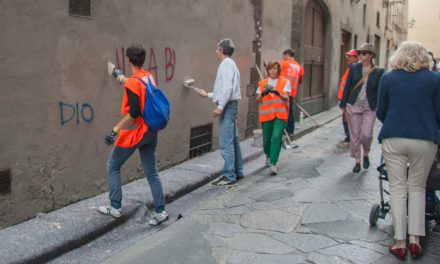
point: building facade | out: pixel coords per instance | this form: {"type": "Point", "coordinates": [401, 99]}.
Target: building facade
{"type": "Point", "coordinates": [424, 24]}
{"type": "Point", "coordinates": [57, 101]}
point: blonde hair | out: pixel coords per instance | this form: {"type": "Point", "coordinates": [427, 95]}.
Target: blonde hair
{"type": "Point", "coordinates": [410, 56]}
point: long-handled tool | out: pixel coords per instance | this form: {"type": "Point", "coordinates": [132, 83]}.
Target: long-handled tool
{"type": "Point", "coordinates": [189, 84]}
{"type": "Point", "coordinates": [295, 102]}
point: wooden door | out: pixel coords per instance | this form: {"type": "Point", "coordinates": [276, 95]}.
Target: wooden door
{"type": "Point", "coordinates": [312, 96]}
{"type": "Point", "coordinates": [345, 46]}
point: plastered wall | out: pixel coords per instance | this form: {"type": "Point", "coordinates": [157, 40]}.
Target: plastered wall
{"type": "Point", "coordinates": [57, 101]}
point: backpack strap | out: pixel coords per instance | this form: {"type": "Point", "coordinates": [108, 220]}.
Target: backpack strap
{"type": "Point", "coordinates": [365, 76]}
{"type": "Point", "coordinates": [142, 81]}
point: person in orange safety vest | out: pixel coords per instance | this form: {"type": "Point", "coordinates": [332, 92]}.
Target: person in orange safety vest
{"type": "Point", "coordinates": [273, 98]}
{"type": "Point", "coordinates": [293, 71]}
{"type": "Point", "coordinates": [132, 133]}
{"type": "Point", "coordinates": [351, 57]}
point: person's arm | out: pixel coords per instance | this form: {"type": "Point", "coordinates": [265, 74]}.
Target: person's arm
{"type": "Point", "coordinates": [301, 74]}
{"type": "Point", "coordinates": [285, 96]}
{"type": "Point", "coordinates": [133, 113]}
{"type": "Point", "coordinates": [382, 100]}
{"type": "Point", "coordinates": [259, 98]}
{"type": "Point", "coordinates": [437, 102]}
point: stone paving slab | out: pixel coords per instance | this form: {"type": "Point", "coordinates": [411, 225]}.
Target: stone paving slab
{"type": "Point", "coordinates": [354, 253]}
{"type": "Point", "coordinates": [306, 242]}
{"type": "Point", "coordinates": [322, 212]}
{"type": "Point", "coordinates": [280, 220]}
{"type": "Point", "coordinates": [258, 243]}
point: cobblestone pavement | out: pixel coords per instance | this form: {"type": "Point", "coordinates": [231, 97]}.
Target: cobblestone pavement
{"type": "Point", "coordinates": [314, 211]}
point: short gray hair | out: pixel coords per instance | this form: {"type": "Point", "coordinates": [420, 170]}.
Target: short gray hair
{"type": "Point", "coordinates": [227, 46]}
{"type": "Point", "coordinates": [410, 56]}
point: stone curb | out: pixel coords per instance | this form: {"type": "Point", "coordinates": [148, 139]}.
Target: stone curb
{"type": "Point", "coordinates": [50, 235]}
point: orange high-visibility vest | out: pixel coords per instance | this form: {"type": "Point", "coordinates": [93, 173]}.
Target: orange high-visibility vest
{"type": "Point", "coordinates": [272, 107]}
{"type": "Point", "coordinates": [134, 132]}
{"type": "Point", "coordinates": [342, 84]}
{"type": "Point", "coordinates": [292, 71]}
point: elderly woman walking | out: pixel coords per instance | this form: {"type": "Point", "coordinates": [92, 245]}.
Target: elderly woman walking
{"type": "Point", "coordinates": [409, 108]}
{"type": "Point", "coordinates": [359, 101]}
{"type": "Point", "coordinates": [273, 97]}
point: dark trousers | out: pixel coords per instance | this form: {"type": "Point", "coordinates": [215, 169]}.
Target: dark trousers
{"type": "Point", "coordinates": [345, 125]}
{"type": "Point", "coordinates": [290, 125]}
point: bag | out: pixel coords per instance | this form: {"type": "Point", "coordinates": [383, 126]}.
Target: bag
{"type": "Point", "coordinates": [433, 180]}
{"type": "Point", "coordinates": [157, 110]}
{"type": "Point", "coordinates": [361, 80]}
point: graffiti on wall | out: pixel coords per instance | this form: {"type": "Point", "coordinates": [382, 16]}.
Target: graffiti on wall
{"type": "Point", "coordinates": [83, 112]}
{"type": "Point", "coordinates": [151, 64]}
{"type": "Point", "coordinates": [76, 112]}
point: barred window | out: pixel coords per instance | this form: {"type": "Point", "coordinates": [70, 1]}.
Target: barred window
{"type": "Point", "coordinates": [200, 140]}
{"type": "Point", "coordinates": [5, 181]}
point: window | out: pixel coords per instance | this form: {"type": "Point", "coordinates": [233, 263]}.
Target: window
{"type": "Point", "coordinates": [377, 47]}
{"type": "Point", "coordinates": [81, 8]}
{"type": "Point", "coordinates": [364, 15]}
{"type": "Point", "coordinates": [200, 140]}
{"type": "Point", "coordinates": [377, 19]}
{"type": "Point", "coordinates": [355, 42]}
{"type": "Point", "coordinates": [5, 181]}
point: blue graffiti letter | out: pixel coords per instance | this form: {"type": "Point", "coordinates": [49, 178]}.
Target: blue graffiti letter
{"type": "Point", "coordinates": [63, 120]}
{"type": "Point", "coordinates": [90, 115]}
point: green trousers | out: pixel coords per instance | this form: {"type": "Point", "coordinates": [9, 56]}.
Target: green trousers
{"type": "Point", "coordinates": [272, 136]}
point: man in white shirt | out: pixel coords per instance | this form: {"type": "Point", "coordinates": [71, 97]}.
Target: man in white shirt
{"type": "Point", "coordinates": [225, 95]}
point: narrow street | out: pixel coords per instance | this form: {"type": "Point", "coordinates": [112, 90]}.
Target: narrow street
{"type": "Point", "coordinates": [314, 211]}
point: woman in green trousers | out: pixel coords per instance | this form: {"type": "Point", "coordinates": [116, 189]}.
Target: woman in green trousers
{"type": "Point", "coordinates": [273, 98]}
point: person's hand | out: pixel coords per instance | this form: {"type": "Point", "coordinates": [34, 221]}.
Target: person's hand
{"type": "Point", "coordinates": [110, 137]}
{"type": "Point", "coordinates": [266, 92]}
{"type": "Point", "coordinates": [267, 86]}
{"type": "Point", "coordinates": [201, 92]}
{"type": "Point", "coordinates": [217, 112]}
{"type": "Point", "coordinates": [275, 92]}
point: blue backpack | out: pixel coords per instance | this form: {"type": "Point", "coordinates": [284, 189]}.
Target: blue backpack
{"type": "Point", "coordinates": [157, 110]}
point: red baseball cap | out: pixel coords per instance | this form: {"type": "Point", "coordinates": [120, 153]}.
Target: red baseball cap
{"type": "Point", "coordinates": [352, 53]}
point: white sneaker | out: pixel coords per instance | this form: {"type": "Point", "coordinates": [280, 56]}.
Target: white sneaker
{"type": "Point", "coordinates": [267, 164]}
{"type": "Point", "coordinates": [158, 218]}
{"type": "Point", "coordinates": [109, 210]}
{"type": "Point", "coordinates": [273, 170]}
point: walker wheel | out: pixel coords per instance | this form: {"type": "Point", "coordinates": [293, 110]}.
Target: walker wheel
{"type": "Point", "coordinates": [374, 214]}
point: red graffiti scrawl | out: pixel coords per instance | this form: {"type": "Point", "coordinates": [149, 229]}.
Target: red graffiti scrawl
{"type": "Point", "coordinates": [169, 65]}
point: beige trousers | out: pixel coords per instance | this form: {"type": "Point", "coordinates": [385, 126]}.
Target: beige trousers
{"type": "Point", "coordinates": [407, 184]}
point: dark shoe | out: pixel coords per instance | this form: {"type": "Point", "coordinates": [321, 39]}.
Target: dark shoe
{"type": "Point", "coordinates": [357, 168]}
{"type": "Point", "coordinates": [416, 250]}
{"type": "Point", "coordinates": [366, 163]}
{"type": "Point", "coordinates": [342, 144]}
{"type": "Point", "coordinates": [240, 177]}
{"type": "Point", "coordinates": [400, 253]}
{"type": "Point", "coordinates": [224, 181]}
